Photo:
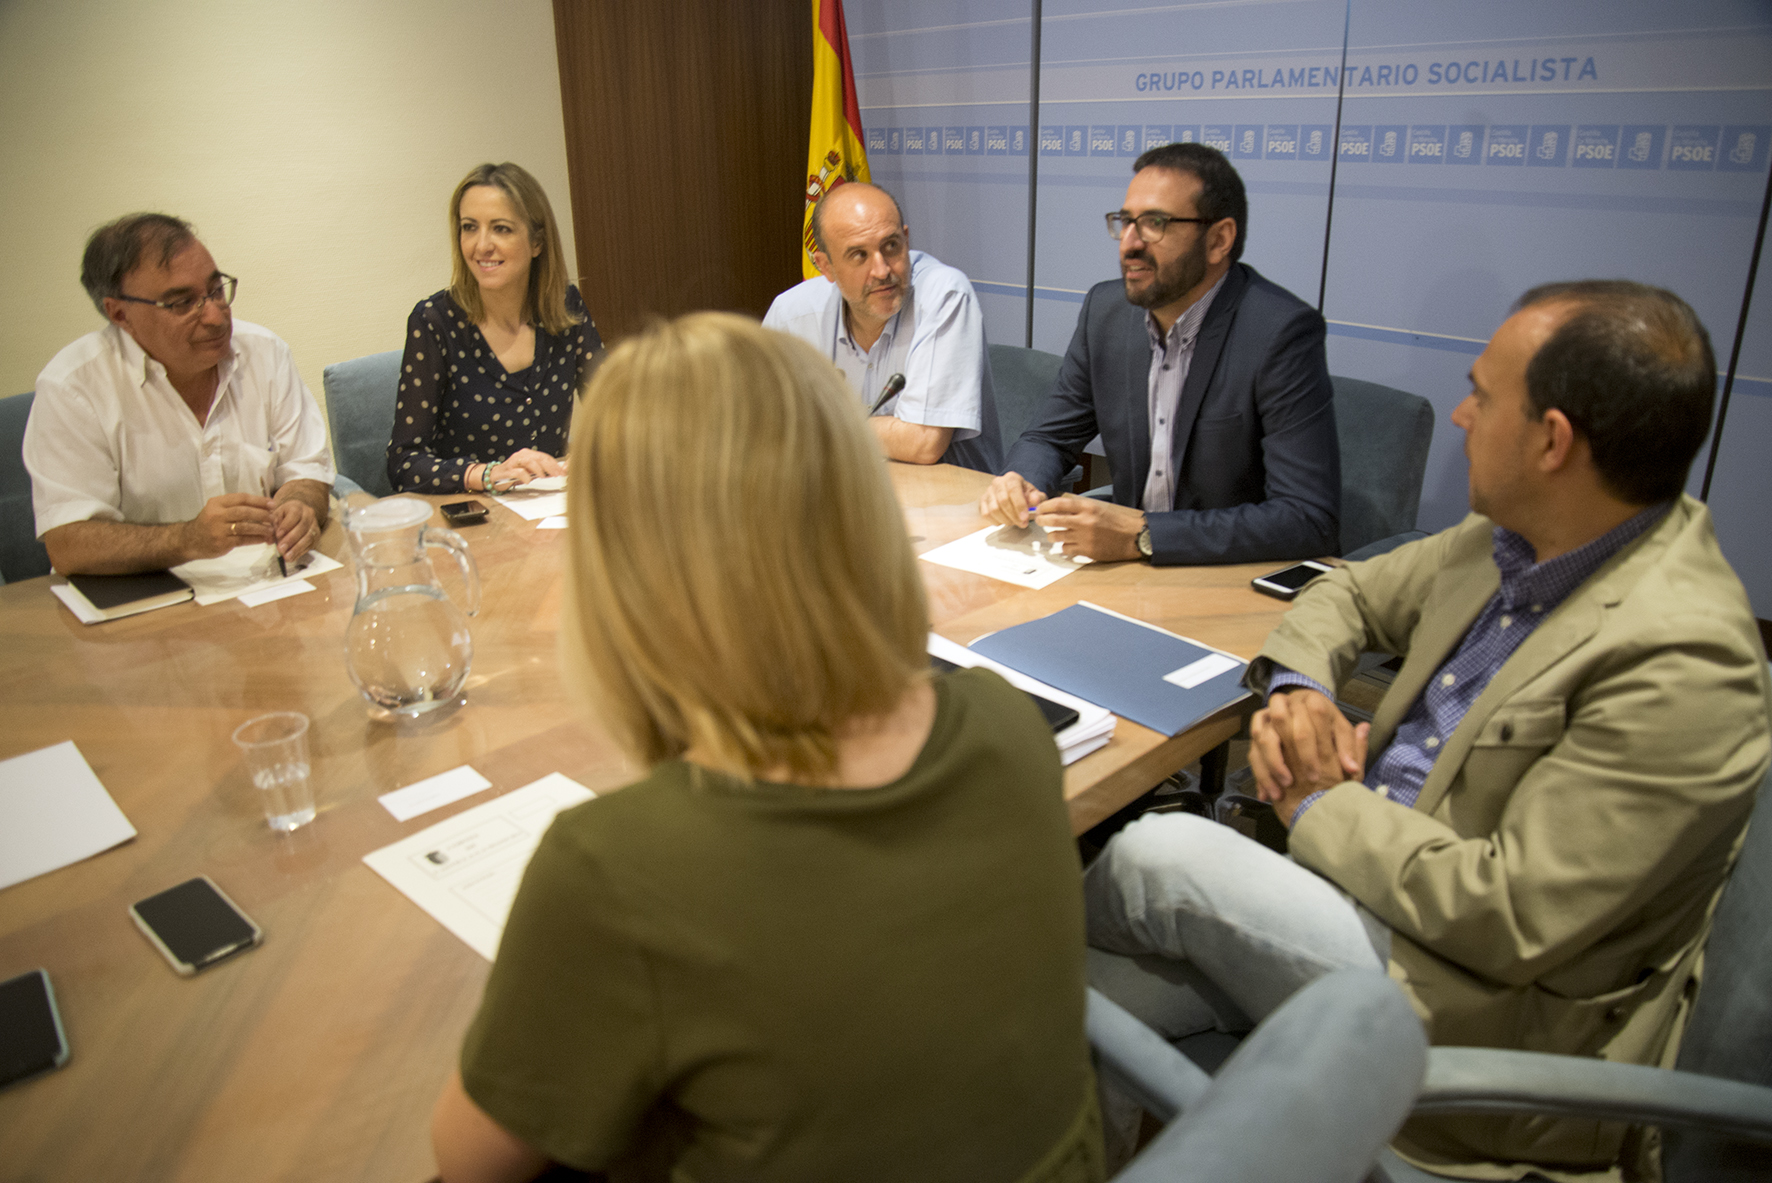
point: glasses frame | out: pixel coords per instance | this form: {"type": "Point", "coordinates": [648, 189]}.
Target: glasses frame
{"type": "Point", "coordinates": [222, 293]}
{"type": "Point", "coordinates": [1164, 222]}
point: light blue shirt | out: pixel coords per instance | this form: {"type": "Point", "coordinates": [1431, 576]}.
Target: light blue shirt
{"type": "Point", "coordinates": [936, 341]}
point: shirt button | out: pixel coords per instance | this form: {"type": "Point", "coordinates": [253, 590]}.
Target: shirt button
{"type": "Point", "coordinates": [1506, 620]}
{"type": "Point", "coordinates": [1447, 680]}
{"type": "Point", "coordinates": [1538, 607]}
{"type": "Point", "coordinates": [1384, 790]}
{"type": "Point", "coordinates": [1431, 742]}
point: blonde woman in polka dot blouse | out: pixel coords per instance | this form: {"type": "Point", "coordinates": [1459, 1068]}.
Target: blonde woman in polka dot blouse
{"type": "Point", "coordinates": [494, 361]}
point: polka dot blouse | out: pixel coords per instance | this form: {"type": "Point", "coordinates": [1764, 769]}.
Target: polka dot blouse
{"type": "Point", "coordinates": [458, 406]}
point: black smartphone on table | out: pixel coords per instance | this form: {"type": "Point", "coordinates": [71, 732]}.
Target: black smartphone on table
{"type": "Point", "coordinates": [1287, 582]}
{"type": "Point", "coordinates": [464, 513]}
{"type": "Point", "coordinates": [32, 1041]}
{"type": "Point", "coordinates": [194, 925]}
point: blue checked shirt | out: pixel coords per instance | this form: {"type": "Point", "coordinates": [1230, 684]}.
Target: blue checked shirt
{"type": "Point", "coordinates": [1529, 592]}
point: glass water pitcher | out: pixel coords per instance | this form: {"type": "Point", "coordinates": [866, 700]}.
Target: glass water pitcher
{"type": "Point", "coordinates": [407, 647]}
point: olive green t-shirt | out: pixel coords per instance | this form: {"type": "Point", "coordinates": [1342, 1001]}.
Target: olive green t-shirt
{"type": "Point", "coordinates": [807, 984]}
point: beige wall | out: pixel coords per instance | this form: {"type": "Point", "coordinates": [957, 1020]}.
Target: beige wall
{"type": "Point", "coordinates": [313, 143]}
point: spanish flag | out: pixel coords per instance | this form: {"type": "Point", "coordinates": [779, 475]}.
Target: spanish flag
{"type": "Point", "coordinates": [837, 151]}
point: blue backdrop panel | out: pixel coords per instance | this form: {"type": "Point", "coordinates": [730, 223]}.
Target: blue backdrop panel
{"type": "Point", "coordinates": [1488, 148]}
{"type": "Point", "coordinates": [1258, 81]}
{"type": "Point", "coordinates": [944, 102]}
{"type": "Point", "coordinates": [1741, 486]}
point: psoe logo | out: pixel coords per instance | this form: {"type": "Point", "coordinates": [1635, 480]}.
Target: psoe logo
{"type": "Point", "coordinates": [1314, 145]}
{"type": "Point", "coordinates": [1388, 145]}
{"type": "Point", "coordinates": [1547, 146]}
{"type": "Point", "coordinates": [1743, 151]}
{"type": "Point", "coordinates": [1248, 144]}
{"type": "Point", "coordinates": [1464, 145]}
{"type": "Point", "coordinates": [1639, 149]}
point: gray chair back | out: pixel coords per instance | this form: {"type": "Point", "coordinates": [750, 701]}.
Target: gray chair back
{"type": "Point", "coordinates": [1022, 379]}
{"type": "Point", "coordinates": [360, 406]}
{"type": "Point", "coordinates": [21, 555]}
{"type": "Point", "coordinates": [1730, 1032]}
{"type": "Point", "coordinates": [1384, 436]}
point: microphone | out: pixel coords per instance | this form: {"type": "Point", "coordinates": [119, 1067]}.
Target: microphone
{"type": "Point", "coordinates": [894, 384]}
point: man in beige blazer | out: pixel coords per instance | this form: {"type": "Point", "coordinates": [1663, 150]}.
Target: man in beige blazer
{"type": "Point", "coordinates": [1535, 828]}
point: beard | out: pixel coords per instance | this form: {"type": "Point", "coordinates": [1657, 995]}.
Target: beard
{"type": "Point", "coordinates": [1173, 279]}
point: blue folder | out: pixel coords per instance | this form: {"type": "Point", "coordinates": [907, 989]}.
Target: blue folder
{"type": "Point", "coordinates": [1116, 663]}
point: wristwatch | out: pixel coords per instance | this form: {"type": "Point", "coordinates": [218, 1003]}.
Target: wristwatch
{"type": "Point", "coordinates": [1144, 542]}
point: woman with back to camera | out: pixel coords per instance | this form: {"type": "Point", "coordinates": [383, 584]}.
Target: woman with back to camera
{"type": "Point", "coordinates": [836, 930]}
{"type": "Point", "coordinates": [492, 361]}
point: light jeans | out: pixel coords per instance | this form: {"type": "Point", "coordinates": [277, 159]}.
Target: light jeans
{"type": "Point", "coordinates": [1189, 904]}
{"type": "Point", "coordinates": [1196, 927]}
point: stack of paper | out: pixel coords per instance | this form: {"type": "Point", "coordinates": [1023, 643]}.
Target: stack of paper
{"type": "Point", "coordinates": [1094, 725]}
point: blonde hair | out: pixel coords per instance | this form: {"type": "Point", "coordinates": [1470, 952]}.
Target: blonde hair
{"type": "Point", "coordinates": [545, 302]}
{"type": "Point", "coordinates": [739, 580]}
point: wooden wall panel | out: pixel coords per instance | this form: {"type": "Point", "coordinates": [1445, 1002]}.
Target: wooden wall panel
{"type": "Point", "coordinates": [686, 125]}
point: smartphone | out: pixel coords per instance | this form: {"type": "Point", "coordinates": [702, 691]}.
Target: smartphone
{"type": "Point", "coordinates": [464, 513]}
{"type": "Point", "coordinates": [1058, 716]}
{"type": "Point", "coordinates": [31, 1037]}
{"type": "Point", "coordinates": [194, 925]}
{"type": "Point", "coordinates": [1288, 581]}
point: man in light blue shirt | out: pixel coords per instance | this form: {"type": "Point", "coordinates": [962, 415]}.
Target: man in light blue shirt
{"type": "Point", "coordinates": [878, 309]}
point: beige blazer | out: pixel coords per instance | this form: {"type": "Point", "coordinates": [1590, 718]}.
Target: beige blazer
{"type": "Point", "coordinates": [1552, 887]}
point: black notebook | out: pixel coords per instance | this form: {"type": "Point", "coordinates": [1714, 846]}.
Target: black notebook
{"type": "Point", "coordinates": [112, 596]}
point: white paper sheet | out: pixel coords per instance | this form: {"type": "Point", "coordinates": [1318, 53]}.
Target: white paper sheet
{"type": "Point", "coordinates": [1025, 557]}
{"type": "Point", "coordinates": [1094, 725]}
{"type": "Point", "coordinates": [558, 523]}
{"type": "Point", "coordinates": [465, 870]}
{"type": "Point", "coordinates": [534, 506]}
{"type": "Point", "coordinates": [53, 811]}
{"type": "Point", "coordinates": [247, 569]}
{"type": "Point", "coordinates": [433, 792]}
{"type": "Point", "coordinates": [1195, 672]}
{"type": "Point", "coordinates": [281, 590]}
{"type": "Point", "coordinates": [541, 484]}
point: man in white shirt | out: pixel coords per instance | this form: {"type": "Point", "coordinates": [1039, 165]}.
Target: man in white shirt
{"type": "Point", "coordinates": [172, 433]}
{"type": "Point", "coordinates": [881, 309]}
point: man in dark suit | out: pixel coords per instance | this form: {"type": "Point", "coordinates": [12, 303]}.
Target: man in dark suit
{"type": "Point", "coordinates": [1207, 384]}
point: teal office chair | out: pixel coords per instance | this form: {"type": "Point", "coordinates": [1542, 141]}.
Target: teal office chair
{"type": "Point", "coordinates": [1021, 379]}
{"type": "Point", "coordinates": [360, 397]}
{"type": "Point", "coordinates": [1384, 434]}
{"type": "Point", "coordinates": [21, 555]}
{"type": "Point", "coordinates": [1312, 1095]}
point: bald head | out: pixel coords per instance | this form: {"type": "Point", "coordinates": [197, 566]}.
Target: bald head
{"type": "Point", "coordinates": [864, 248]}
{"type": "Point", "coordinates": [852, 201]}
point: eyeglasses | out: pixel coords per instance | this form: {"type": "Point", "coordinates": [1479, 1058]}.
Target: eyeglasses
{"type": "Point", "coordinates": [1150, 226]}
{"type": "Point", "coordinates": [222, 292]}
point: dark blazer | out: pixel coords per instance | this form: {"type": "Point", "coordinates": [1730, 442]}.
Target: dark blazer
{"type": "Point", "coordinates": [1260, 473]}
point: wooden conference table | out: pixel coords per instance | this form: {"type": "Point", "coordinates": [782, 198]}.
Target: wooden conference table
{"type": "Point", "coordinates": [318, 1055]}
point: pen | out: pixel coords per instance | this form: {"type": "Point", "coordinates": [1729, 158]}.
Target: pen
{"type": "Point", "coordinates": [270, 481]}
